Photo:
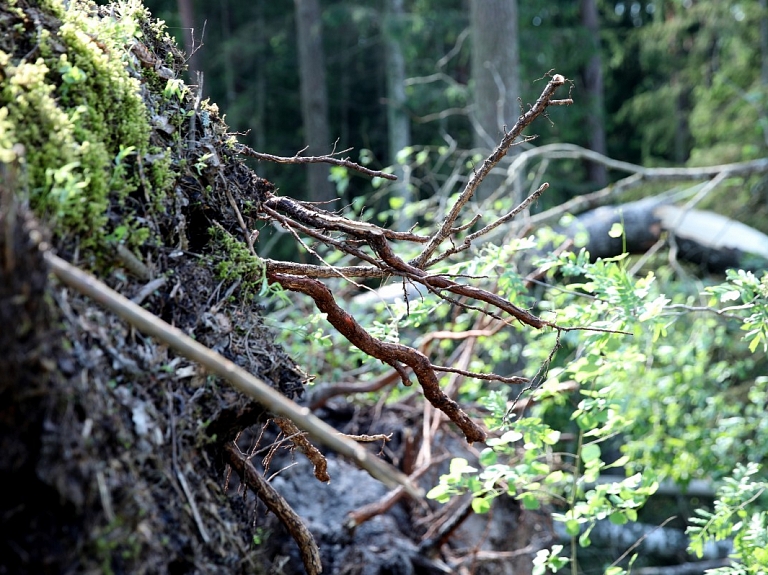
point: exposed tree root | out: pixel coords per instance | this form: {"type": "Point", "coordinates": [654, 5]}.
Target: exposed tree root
{"type": "Point", "coordinates": [310, 554]}
{"type": "Point", "coordinates": [394, 354]}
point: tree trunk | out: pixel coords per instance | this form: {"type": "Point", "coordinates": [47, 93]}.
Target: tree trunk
{"type": "Point", "coordinates": [314, 98]}
{"type": "Point", "coordinates": [398, 124]}
{"type": "Point", "coordinates": [187, 16]}
{"type": "Point", "coordinates": [592, 76]}
{"type": "Point", "coordinates": [495, 75]}
{"type": "Point", "coordinates": [764, 42]}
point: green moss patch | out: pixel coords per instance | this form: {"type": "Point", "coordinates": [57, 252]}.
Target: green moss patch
{"type": "Point", "coordinates": [72, 115]}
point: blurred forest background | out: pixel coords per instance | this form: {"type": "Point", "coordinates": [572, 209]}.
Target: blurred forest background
{"type": "Point", "coordinates": [656, 83]}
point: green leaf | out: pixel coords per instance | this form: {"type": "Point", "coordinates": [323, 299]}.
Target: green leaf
{"type": "Point", "coordinates": [481, 505]}
{"type": "Point", "coordinates": [620, 462]}
{"type": "Point", "coordinates": [460, 465]}
{"type": "Point", "coordinates": [530, 501]}
{"type": "Point", "coordinates": [590, 452]}
{"type": "Point", "coordinates": [572, 527]}
{"type": "Point", "coordinates": [488, 457]}
{"type": "Point", "coordinates": [584, 540]}
{"type": "Point", "coordinates": [618, 518]}
{"type": "Point", "coordinates": [441, 493]}
{"type": "Point", "coordinates": [586, 421]}
{"type": "Point", "coordinates": [550, 437]}
{"type": "Point", "coordinates": [730, 295]}
{"type": "Point", "coordinates": [510, 437]}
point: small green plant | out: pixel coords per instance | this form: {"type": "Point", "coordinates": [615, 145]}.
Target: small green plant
{"type": "Point", "coordinates": [735, 515]}
{"type": "Point", "coordinates": [202, 163]}
{"type": "Point", "coordinates": [260, 536]}
{"type": "Point", "coordinates": [240, 264]}
{"type": "Point", "coordinates": [175, 88]}
{"type": "Point", "coordinates": [753, 293]}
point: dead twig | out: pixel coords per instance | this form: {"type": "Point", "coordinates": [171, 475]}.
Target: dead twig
{"type": "Point", "coordinates": [320, 396]}
{"type": "Point", "coordinates": [478, 375]}
{"type": "Point", "coordinates": [369, 438]}
{"type": "Point", "coordinates": [314, 271]}
{"type": "Point", "coordinates": [438, 282]}
{"type": "Point", "coordinates": [490, 227]}
{"type": "Point", "coordinates": [345, 162]}
{"type": "Point", "coordinates": [300, 440]}
{"type": "Point", "coordinates": [366, 512]}
{"type": "Point", "coordinates": [438, 533]}
{"type": "Point", "coordinates": [474, 181]}
{"type": "Point", "coordinates": [320, 219]}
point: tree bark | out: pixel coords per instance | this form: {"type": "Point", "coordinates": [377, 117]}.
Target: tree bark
{"type": "Point", "coordinates": [495, 75]}
{"type": "Point", "coordinates": [592, 77]}
{"type": "Point", "coordinates": [398, 124]}
{"type": "Point", "coordinates": [764, 42]}
{"type": "Point", "coordinates": [187, 16]}
{"type": "Point", "coordinates": [314, 98]}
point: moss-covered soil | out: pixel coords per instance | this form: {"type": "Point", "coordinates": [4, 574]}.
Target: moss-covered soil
{"type": "Point", "coordinates": [110, 442]}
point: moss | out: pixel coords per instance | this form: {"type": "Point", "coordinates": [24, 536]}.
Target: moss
{"type": "Point", "coordinates": [240, 264]}
{"type": "Point", "coordinates": [78, 113]}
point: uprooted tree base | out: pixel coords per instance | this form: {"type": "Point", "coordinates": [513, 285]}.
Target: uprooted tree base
{"type": "Point", "coordinates": [112, 445]}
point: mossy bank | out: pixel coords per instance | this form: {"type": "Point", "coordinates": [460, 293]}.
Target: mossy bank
{"type": "Point", "coordinates": [109, 158]}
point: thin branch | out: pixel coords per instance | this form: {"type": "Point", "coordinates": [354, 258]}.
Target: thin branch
{"type": "Point", "coordinates": [485, 376]}
{"type": "Point", "coordinates": [470, 333]}
{"type": "Point", "coordinates": [690, 568]}
{"type": "Point", "coordinates": [637, 543]}
{"type": "Point", "coordinates": [437, 534]}
{"type": "Point", "coordinates": [474, 181]}
{"type": "Point", "coordinates": [246, 151]}
{"type": "Point", "coordinates": [639, 174]}
{"type": "Point", "coordinates": [456, 48]}
{"type": "Point", "coordinates": [311, 216]}
{"type": "Point", "coordinates": [724, 312]}
{"type": "Point", "coordinates": [572, 151]}
{"type": "Point", "coordinates": [314, 271]}
{"type": "Point", "coordinates": [320, 396]}
{"type": "Point", "coordinates": [376, 238]}
{"type": "Point", "coordinates": [289, 225]}
{"type": "Point", "coordinates": [447, 113]}
{"type": "Point", "coordinates": [370, 510]}
{"type": "Point", "coordinates": [369, 438]}
{"type": "Point", "coordinates": [468, 225]}
{"type": "Point", "coordinates": [382, 249]}
{"type": "Point", "coordinates": [490, 227]}
{"type": "Point", "coordinates": [504, 219]}
{"type": "Point", "coordinates": [236, 376]}
{"type": "Point", "coordinates": [299, 440]}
